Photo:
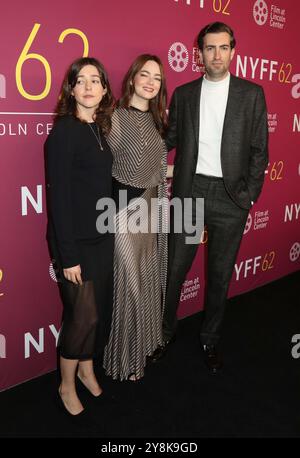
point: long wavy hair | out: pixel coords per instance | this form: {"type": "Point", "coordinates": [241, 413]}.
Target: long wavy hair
{"type": "Point", "coordinates": [157, 105]}
{"type": "Point", "coordinates": [67, 105]}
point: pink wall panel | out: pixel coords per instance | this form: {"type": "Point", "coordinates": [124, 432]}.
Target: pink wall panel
{"type": "Point", "coordinates": [116, 31]}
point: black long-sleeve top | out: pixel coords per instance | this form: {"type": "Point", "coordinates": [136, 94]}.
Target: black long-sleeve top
{"type": "Point", "coordinates": [78, 173]}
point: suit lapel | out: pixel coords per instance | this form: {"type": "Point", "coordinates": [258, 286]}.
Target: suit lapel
{"type": "Point", "coordinates": [195, 109]}
{"type": "Point", "coordinates": [233, 102]}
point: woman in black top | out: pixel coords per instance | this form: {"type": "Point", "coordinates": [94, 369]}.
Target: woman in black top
{"type": "Point", "coordinates": [78, 170]}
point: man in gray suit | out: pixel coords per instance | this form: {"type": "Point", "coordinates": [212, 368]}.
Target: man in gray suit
{"type": "Point", "coordinates": [218, 124]}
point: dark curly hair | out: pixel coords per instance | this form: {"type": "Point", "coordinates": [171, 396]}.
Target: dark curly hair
{"type": "Point", "coordinates": [157, 105]}
{"type": "Point", "coordinates": [66, 104]}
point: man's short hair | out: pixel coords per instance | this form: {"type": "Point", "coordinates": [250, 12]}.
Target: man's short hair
{"type": "Point", "coordinates": [216, 27]}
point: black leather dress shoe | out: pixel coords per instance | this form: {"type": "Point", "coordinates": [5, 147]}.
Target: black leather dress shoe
{"type": "Point", "coordinates": [212, 359]}
{"type": "Point", "coordinates": [161, 350]}
{"type": "Point", "coordinates": [158, 354]}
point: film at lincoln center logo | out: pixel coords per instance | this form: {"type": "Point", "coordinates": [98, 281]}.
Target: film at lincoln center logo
{"type": "Point", "coordinates": [248, 224]}
{"type": "Point", "coordinates": [295, 252]}
{"type": "Point", "coordinates": [178, 57]}
{"type": "Point", "coordinates": [260, 12]}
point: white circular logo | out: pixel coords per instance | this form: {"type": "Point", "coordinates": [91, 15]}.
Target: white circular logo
{"type": "Point", "coordinates": [178, 57]}
{"type": "Point", "coordinates": [248, 224]}
{"type": "Point", "coordinates": [260, 12]}
{"type": "Point", "coordinates": [295, 252]}
{"type": "Point", "coordinates": [52, 272]}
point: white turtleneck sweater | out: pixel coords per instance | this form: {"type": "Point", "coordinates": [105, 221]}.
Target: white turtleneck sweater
{"type": "Point", "coordinates": [213, 102]}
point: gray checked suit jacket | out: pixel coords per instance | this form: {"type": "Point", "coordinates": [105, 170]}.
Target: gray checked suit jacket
{"type": "Point", "coordinates": [244, 146]}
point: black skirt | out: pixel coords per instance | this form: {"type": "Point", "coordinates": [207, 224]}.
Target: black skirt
{"type": "Point", "coordinates": [87, 308]}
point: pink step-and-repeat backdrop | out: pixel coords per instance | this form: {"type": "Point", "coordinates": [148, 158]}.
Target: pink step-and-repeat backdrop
{"type": "Point", "coordinates": [38, 40]}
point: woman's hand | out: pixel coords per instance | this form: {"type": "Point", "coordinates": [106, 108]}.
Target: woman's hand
{"type": "Point", "coordinates": [73, 274]}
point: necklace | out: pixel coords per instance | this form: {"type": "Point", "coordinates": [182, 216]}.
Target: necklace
{"type": "Point", "coordinates": [98, 138]}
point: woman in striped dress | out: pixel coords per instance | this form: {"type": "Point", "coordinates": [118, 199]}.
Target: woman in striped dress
{"type": "Point", "coordinates": [140, 259]}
